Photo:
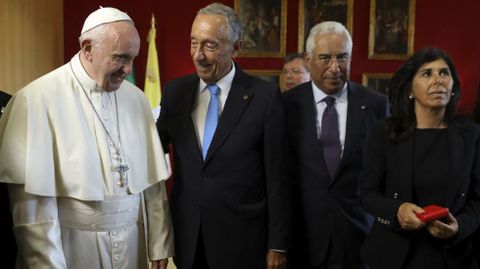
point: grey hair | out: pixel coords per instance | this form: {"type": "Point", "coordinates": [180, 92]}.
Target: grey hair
{"type": "Point", "coordinates": [327, 27]}
{"type": "Point", "coordinates": [234, 24]}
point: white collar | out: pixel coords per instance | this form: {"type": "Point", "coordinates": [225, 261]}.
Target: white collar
{"type": "Point", "coordinates": [223, 83]}
{"type": "Point", "coordinates": [87, 82]}
{"type": "Point", "coordinates": [340, 96]}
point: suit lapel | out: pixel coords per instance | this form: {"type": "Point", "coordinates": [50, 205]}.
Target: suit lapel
{"type": "Point", "coordinates": [405, 167]}
{"type": "Point", "coordinates": [238, 99]}
{"type": "Point", "coordinates": [189, 96]}
{"type": "Point", "coordinates": [456, 153]}
{"type": "Point", "coordinates": [353, 128]}
{"type": "Point", "coordinates": [308, 113]}
{"type": "Point", "coordinates": [305, 118]}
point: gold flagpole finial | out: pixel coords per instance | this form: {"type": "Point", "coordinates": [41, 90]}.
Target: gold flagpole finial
{"type": "Point", "coordinates": [153, 21]}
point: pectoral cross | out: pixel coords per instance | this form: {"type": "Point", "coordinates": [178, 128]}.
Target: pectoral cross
{"type": "Point", "coordinates": [122, 171]}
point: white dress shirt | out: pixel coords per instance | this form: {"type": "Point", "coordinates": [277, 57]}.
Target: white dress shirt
{"type": "Point", "coordinates": [341, 105]}
{"type": "Point", "coordinates": [200, 108]}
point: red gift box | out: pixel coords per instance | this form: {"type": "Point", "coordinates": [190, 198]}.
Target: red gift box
{"type": "Point", "coordinates": [432, 212]}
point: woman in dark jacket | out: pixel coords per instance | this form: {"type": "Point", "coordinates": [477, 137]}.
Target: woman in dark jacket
{"type": "Point", "coordinates": [422, 156]}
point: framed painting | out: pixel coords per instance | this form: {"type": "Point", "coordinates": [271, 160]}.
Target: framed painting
{"type": "Point", "coordinates": [392, 27]}
{"type": "Point", "coordinates": [268, 75]}
{"type": "Point", "coordinates": [376, 81]}
{"type": "Point", "coordinates": [264, 24]}
{"type": "Point", "coordinates": [311, 12]}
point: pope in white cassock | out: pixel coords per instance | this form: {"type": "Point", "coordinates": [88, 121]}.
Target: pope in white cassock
{"type": "Point", "coordinates": [84, 161]}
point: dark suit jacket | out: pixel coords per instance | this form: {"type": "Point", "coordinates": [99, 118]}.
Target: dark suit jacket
{"type": "Point", "coordinates": [387, 183]}
{"type": "Point", "coordinates": [9, 248]}
{"type": "Point", "coordinates": [328, 210]}
{"type": "Point", "coordinates": [237, 198]}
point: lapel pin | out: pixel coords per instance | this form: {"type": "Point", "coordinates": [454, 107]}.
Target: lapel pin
{"type": "Point", "coordinates": [245, 97]}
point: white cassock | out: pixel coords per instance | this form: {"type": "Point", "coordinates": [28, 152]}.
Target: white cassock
{"type": "Point", "coordinates": [69, 204]}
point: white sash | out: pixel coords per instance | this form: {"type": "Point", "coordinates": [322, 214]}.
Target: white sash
{"type": "Point", "coordinates": [113, 213]}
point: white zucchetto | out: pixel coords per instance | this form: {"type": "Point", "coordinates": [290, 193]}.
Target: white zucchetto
{"type": "Point", "coordinates": [104, 15]}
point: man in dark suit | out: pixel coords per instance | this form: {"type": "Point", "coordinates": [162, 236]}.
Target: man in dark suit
{"type": "Point", "coordinates": [328, 122]}
{"type": "Point", "coordinates": [9, 247]}
{"type": "Point", "coordinates": [230, 203]}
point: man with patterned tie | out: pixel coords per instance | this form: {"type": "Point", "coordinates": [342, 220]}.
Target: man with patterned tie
{"type": "Point", "coordinates": [230, 202]}
{"type": "Point", "coordinates": [328, 122]}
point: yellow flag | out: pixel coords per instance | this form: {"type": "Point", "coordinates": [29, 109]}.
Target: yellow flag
{"type": "Point", "coordinates": [152, 74]}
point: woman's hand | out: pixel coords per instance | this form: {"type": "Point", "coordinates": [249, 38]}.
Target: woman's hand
{"type": "Point", "coordinates": [406, 216]}
{"type": "Point", "coordinates": [443, 230]}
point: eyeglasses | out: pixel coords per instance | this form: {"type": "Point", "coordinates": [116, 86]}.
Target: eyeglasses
{"type": "Point", "coordinates": [122, 59]}
{"type": "Point", "coordinates": [341, 59]}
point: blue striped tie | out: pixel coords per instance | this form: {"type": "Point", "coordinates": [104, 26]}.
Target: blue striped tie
{"type": "Point", "coordinates": [212, 118]}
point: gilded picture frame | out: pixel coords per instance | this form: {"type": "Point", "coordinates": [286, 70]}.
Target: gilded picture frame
{"type": "Point", "coordinates": [376, 81]}
{"type": "Point", "coordinates": [392, 29]}
{"type": "Point", "coordinates": [265, 23]}
{"type": "Point", "coordinates": [268, 75]}
{"type": "Point", "coordinates": [311, 12]}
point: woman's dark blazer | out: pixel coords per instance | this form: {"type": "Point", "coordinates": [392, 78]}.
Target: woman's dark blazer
{"type": "Point", "coordinates": [386, 183]}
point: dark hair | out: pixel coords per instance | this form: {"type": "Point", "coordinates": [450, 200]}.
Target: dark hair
{"type": "Point", "coordinates": [296, 55]}
{"type": "Point", "coordinates": [403, 121]}
{"type": "Point", "coordinates": [292, 56]}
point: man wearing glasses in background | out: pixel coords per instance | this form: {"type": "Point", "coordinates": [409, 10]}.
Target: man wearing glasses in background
{"type": "Point", "coordinates": [295, 71]}
{"type": "Point", "coordinates": [328, 122]}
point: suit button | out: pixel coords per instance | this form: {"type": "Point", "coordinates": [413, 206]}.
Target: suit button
{"type": "Point", "coordinates": [204, 178]}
